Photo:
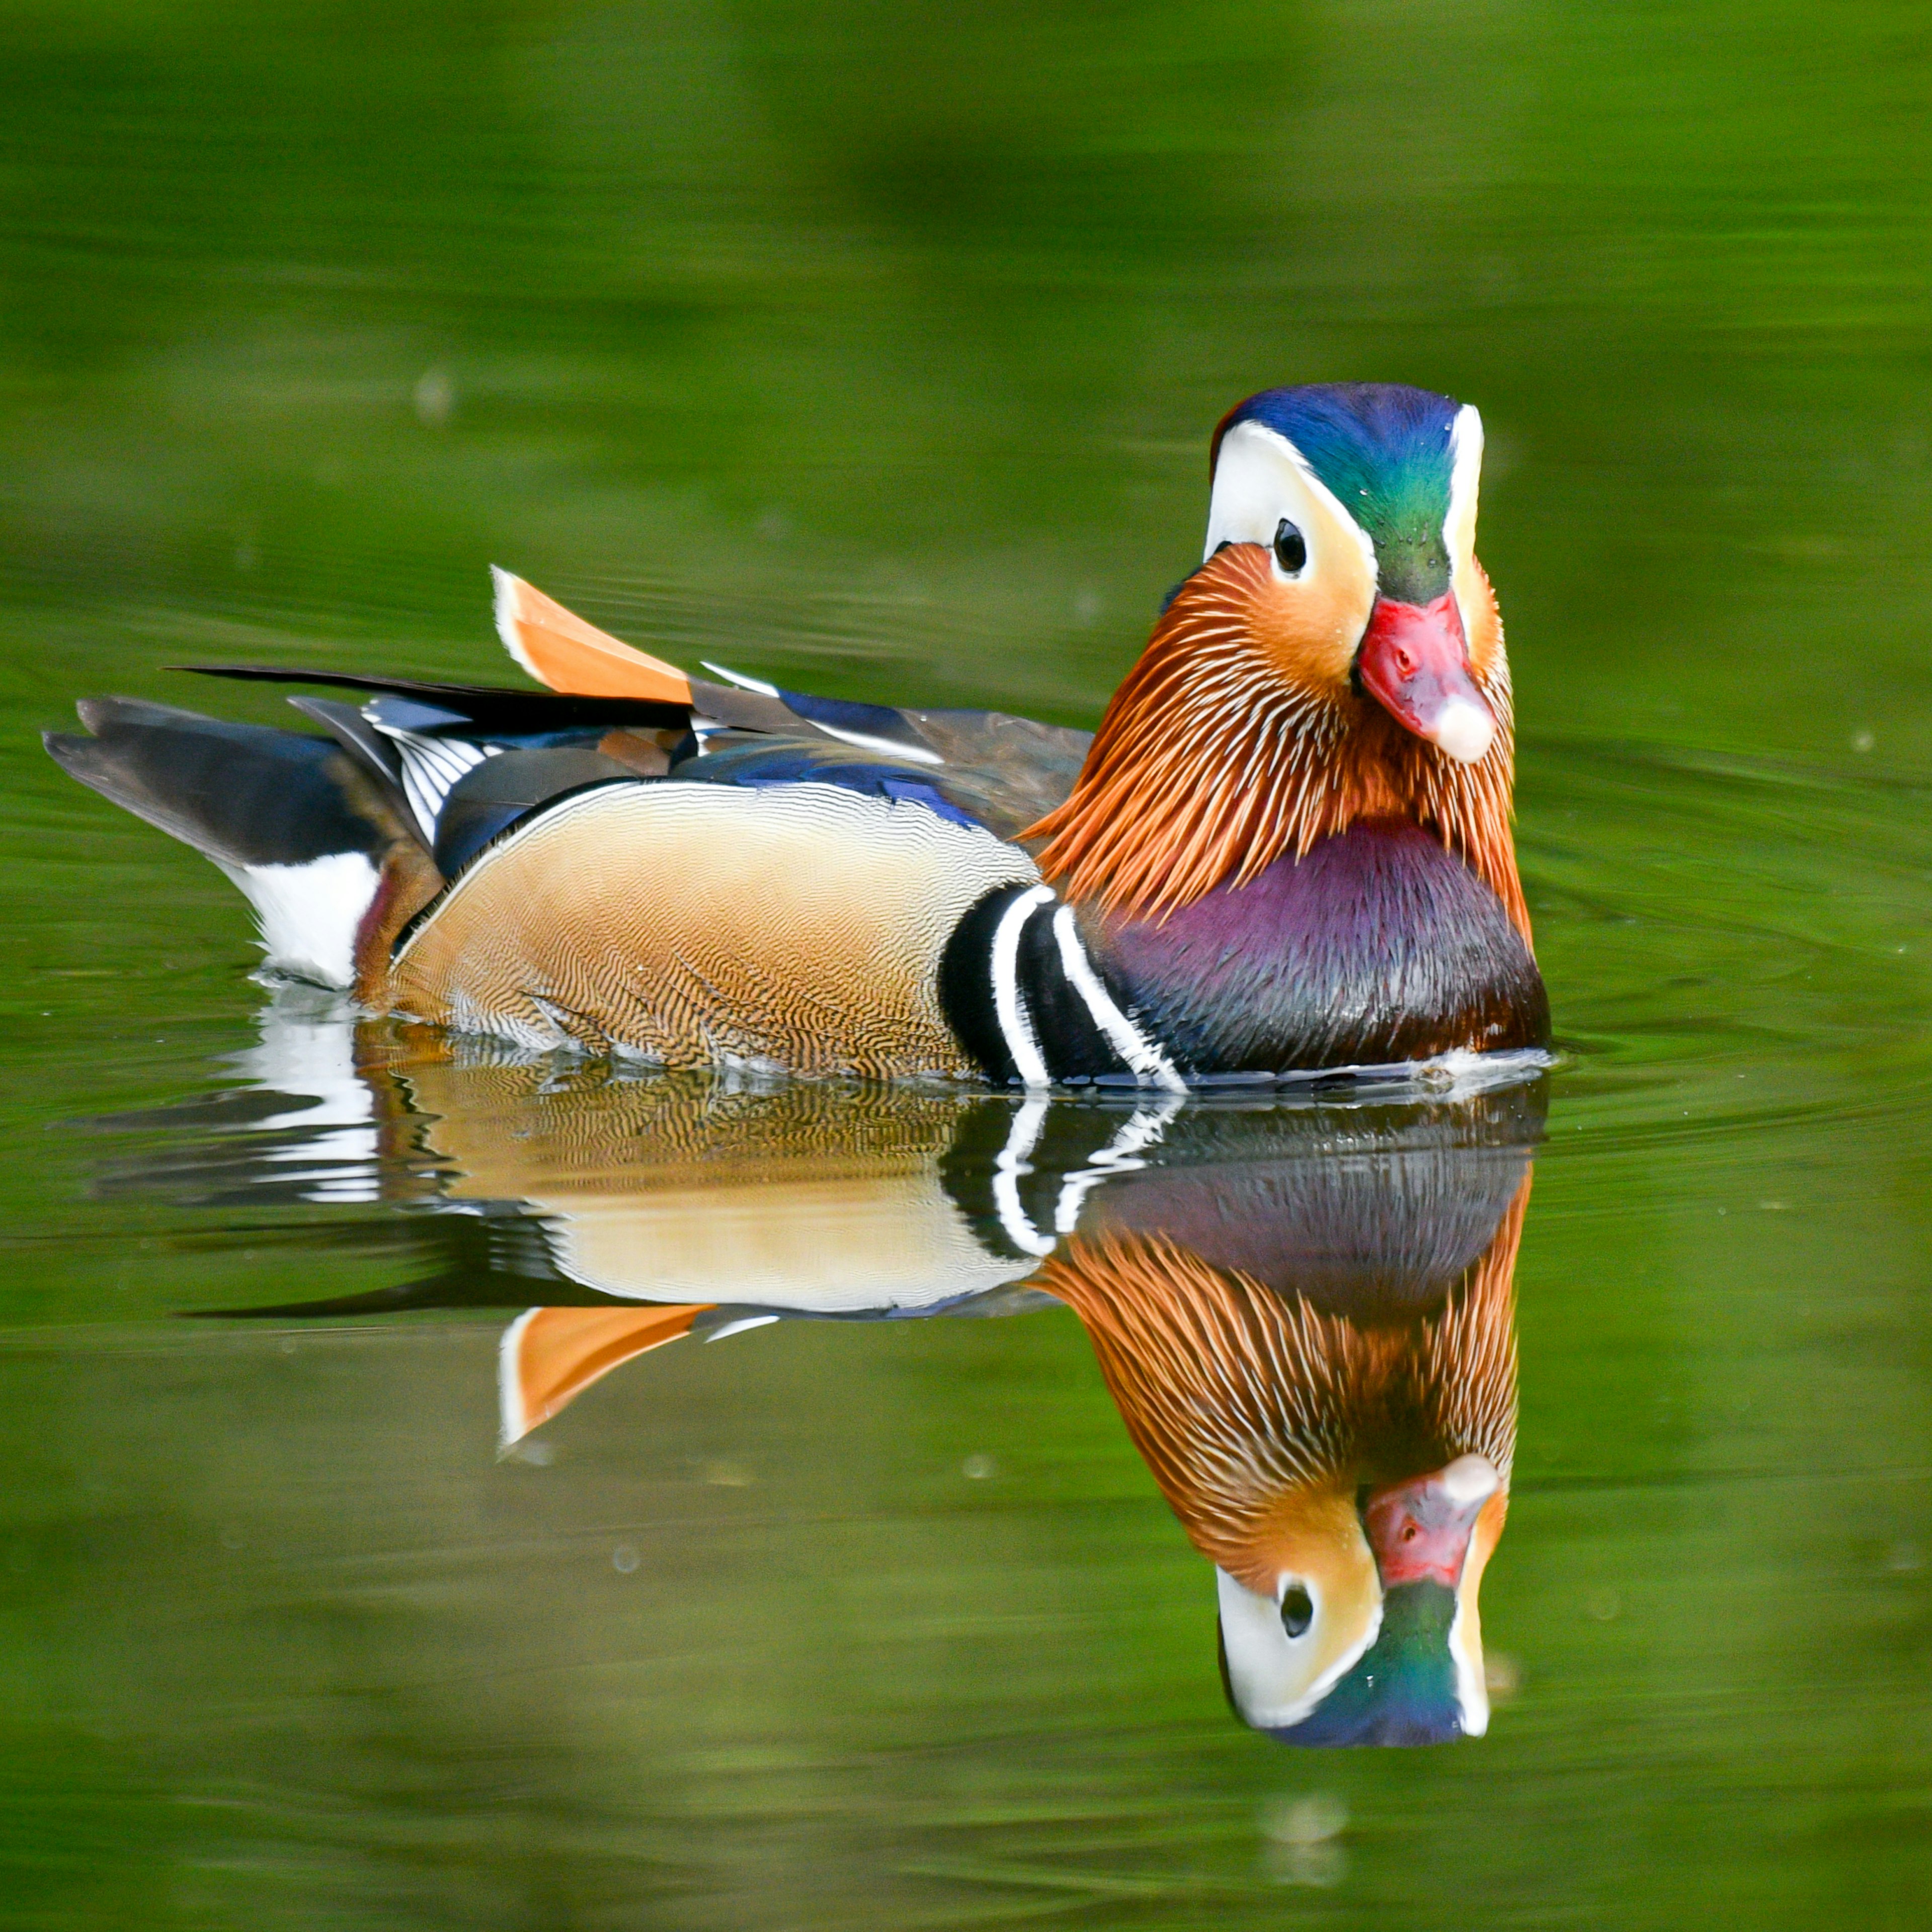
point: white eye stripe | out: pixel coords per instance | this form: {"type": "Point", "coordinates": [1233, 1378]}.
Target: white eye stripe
{"type": "Point", "coordinates": [1465, 447]}
{"type": "Point", "coordinates": [1261, 478]}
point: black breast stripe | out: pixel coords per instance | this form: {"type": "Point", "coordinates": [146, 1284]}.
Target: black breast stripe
{"type": "Point", "coordinates": [1072, 1045]}
{"type": "Point", "coordinates": [1014, 1006]}
{"type": "Point", "coordinates": [966, 986]}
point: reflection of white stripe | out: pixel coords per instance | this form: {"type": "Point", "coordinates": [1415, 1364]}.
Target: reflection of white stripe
{"type": "Point", "coordinates": [1121, 1155]}
{"type": "Point", "coordinates": [509, 1383]}
{"type": "Point", "coordinates": [1142, 1056]}
{"type": "Point", "coordinates": [1028, 1124]}
{"type": "Point", "coordinates": [1009, 1005]}
{"type": "Point", "coordinates": [738, 1327]}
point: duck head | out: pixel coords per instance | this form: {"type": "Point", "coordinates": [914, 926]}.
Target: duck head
{"type": "Point", "coordinates": [1338, 655]}
{"type": "Point", "coordinates": [1363, 500]}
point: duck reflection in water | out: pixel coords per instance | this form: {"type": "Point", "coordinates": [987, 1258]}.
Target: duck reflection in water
{"type": "Point", "coordinates": [1302, 1311]}
{"type": "Point", "coordinates": [1345, 1469]}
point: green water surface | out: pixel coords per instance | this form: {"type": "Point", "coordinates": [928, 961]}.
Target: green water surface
{"type": "Point", "coordinates": [876, 349]}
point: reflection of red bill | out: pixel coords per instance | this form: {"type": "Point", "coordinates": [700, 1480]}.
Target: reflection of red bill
{"type": "Point", "coordinates": [1414, 662]}
{"type": "Point", "coordinates": [1420, 1530]}
{"type": "Point", "coordinates": [549, 1356]}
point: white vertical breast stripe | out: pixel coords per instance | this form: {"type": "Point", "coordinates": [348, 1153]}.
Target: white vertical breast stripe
{"type": "Point", "coordinates": [1009, 1005]}
{"type": "Point", "coordinates": [1141, 1054]}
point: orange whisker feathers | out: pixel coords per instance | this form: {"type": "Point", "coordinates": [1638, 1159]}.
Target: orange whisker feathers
{"type": "Point", "coordinates": [1214, 760]}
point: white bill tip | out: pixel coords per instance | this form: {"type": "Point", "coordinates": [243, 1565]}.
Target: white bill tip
{"type": "Point", "coordinates": [1465, 729]}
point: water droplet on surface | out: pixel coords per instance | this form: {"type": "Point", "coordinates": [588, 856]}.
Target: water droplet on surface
{"type": "Point", "coordinates": [435, 397]}
{"type": "Point", "coordinates": [1301, 1834]}
{"type": "Point", "coordinates": [978, 1468]}
{"type": "Point", "coordinates": [1603, 1605]}
{"type": "Point", "coordinates": [1319, 1865]}
{"type": "Point", "coordinates": [623, 1559]}
{"type": "Point", "coordinates": [1309, 1820]}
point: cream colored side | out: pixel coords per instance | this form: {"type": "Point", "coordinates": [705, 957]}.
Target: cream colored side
{"type": "Point", "coordinates": [831, 1246]}
{"type": "Point", "coordinates": [795, 927]}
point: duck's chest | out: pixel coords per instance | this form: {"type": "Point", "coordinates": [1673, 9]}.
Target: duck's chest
{"type": "Point", "coordinates": [1378, 946]}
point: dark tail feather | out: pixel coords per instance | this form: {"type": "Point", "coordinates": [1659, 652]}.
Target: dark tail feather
{"type": "Point", "coordinates": [487, 706]}
{"type": "Point", "coordinates": [313, 840]}
{"type": "Point", "coordinates": [242, 794]}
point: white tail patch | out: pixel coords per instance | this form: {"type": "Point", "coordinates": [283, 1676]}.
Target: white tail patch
{"type": "Point", "coordinates": [310, 914]}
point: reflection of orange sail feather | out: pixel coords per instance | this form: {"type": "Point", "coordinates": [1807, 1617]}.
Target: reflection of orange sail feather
{"type": "Point", "coordinates": [552, 1355]}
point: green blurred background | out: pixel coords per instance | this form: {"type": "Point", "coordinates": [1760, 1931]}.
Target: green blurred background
{"type": "Point", "coordinates": [877, 348]}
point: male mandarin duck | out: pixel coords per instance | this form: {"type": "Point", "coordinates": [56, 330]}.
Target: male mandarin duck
{"type": "Point", "coordinates": [1288, 847]}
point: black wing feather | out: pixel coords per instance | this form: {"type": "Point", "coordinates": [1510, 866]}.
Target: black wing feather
{"type": "Point", "coordinates": [487, 707]}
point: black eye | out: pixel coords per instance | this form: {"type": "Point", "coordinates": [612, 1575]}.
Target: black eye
{"type": "Point", "coordinates": [1297, 1607]}
{"type": "Point", "coordinates": [1291, 548]}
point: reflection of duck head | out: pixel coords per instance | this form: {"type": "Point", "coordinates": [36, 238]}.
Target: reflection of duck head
{"type": "Point", "coordinates": [1348, 1478]}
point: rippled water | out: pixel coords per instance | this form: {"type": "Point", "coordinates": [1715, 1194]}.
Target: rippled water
{"type": "Point", "coordinates": [880, 353]}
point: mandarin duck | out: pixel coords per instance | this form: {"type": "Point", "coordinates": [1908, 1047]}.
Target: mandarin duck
{"type": "Point", "coordinates": [1287, 848]}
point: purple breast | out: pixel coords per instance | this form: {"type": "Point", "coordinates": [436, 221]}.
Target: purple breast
{"type": "Point", "coordinates": [1379, 946]}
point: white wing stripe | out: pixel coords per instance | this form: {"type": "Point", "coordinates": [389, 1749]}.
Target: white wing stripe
{"type": "Point", "coordinates": [430, 769]}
